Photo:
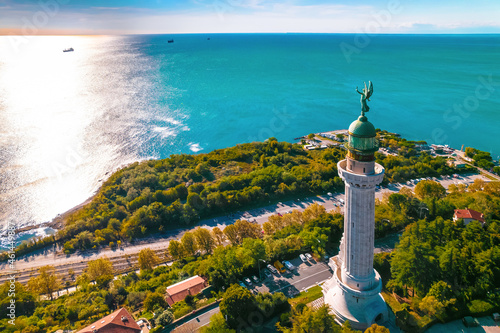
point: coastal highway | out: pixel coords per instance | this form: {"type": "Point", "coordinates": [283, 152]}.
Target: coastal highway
{"type": "Point", "coordinates": [25, 265]}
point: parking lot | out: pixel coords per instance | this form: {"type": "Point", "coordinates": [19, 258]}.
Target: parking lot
{"type": "Point", "coordinates": [486, 325]}
{"type": "Point", "coordinates": [305, 275]}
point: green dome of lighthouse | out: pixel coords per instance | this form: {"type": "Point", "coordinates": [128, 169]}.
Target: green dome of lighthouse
{"type": "Point", "coordinates": [362, 128]}
{"type": "Point", "coordinates": [362, 143]}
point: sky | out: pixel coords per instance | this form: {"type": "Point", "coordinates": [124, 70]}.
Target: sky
{"type": "Point", "coordinates": [47, 17]}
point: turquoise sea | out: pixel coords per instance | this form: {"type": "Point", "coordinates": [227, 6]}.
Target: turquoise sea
{"type": "Point", "coordinates": [67, 120]}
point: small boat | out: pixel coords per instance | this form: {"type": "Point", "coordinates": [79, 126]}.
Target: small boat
{"type": "Point", "coordinates": [170, 40]}
{"type": "Point", "coordinates": [69, 50]}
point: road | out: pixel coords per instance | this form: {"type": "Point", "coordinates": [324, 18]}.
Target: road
{"type": "Point", "coordinates": [304, 276]}
{"type": "Point", "coordinates": [486, 325]}
{"type": "Point", "coordinates": [260, 215]}
{"type": "Point", "coordinates": [201, 320]}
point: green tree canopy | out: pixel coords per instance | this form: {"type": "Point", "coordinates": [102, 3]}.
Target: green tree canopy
{"type": "Point", "coordinates": [236, 306]}
{"type": "Point", "coordinates": [154, 300]}
{"type": "Point", "coordinates": [46, 283]}
{"type": "Point", "coordinates": [147, 259]}
{"type": "Point", "coordinates": [429, 189]}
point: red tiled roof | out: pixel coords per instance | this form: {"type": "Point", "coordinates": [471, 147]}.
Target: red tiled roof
{"type": "Point", "coordinates": [113, 323]}
{"type": "Point", "coordinates": [469, 214]}
{"type": "Point", "coordinates": [179, 291]}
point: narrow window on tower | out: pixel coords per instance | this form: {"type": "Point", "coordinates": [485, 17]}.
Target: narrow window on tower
{"type": "Point", "coordinates": [353, 224]}
{"type": "Point", "coordinates": [363, 170]}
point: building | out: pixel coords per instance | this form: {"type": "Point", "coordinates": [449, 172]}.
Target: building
{"type": "Point", "coordinates": [192, 286]}
{"type": "Point", "coordinates": [120, 321]}
{"type": "Point", "coordinates": [353, 292]}
{"type": "Point", "coordinates": [468, 215]}
{"type": "Point", "coordinates": [455, 164]}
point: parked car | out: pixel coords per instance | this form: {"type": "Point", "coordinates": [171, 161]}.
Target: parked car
{"type": "Point", "coordinates": [248, 282]}
{"type": "Point", "coordinates": [308, 256]}
{"type": "Point", "coordinates": [303, 258]}
{"type": "Point", "coordinates": [255, 279]}
{"type": "Point", "coordinates": [279, 266]}
{"type": "Point", "coordinates": [267, 274]}
{"type": "Point", "coordinates": [272, 269]}
{"type": "Point", "coordinates": [470, 322]}
{"type": "Point", "coordinates": [289, 265]}
{"type": "Point", "coordinates": [242, 284]}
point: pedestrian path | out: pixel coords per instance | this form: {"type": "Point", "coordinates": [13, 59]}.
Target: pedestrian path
{"type": "Point", "coordinates": [316, 304]}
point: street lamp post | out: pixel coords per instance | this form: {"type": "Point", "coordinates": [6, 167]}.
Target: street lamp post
{"type": "Point", "coordinates": [260, 276]}
{"type": "Point", "coordinates": [422, 208]}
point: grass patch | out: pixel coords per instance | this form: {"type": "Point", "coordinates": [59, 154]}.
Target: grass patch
{"type": "Point", "coordinates": [148, 315]}
{"type": "Point", "coordinates": [490, 177]}
{"type": "Point", "coordinates": [391, 301]}
{"type": "Point", "coordinates": [421, 321]}
{"type": "Point", "coordinates": [307, 296]}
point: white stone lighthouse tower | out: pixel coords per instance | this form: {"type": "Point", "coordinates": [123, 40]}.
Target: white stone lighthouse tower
{"type": "Point", "coordinates": [353, 292]}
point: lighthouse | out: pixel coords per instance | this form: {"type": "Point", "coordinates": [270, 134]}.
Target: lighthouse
{"type": "Point", "coordinates": [353, 292]}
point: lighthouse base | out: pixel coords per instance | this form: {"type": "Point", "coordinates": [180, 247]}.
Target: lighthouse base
{"type": "Point", "coordinates": [360, 308]}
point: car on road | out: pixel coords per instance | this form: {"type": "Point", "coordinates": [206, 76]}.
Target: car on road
{"type": "Point", "coordinates": [255, 279]}
{"type": "Point", "coordinates": [268, 274]}
{"type": "Point", "coordinates": [248, 282]}
{"type": "Point", "coordinates": [303, 258]}
{"type": "Point", "coordinates": [272, 269]}
{"type": "Point", "coordinates": [308, 256]}
{"type": "Point", "coordinates": [289, 265]}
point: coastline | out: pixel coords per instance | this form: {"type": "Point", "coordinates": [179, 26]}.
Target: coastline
{"type": "Point", "coordinates": [57, 222]}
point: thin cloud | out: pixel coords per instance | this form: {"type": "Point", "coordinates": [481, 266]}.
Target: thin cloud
{"type": "Point", "coordinates": [248, 16]}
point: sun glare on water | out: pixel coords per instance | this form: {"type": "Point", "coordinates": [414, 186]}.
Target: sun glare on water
{"type": "Point", "coordinates": [51, 102]}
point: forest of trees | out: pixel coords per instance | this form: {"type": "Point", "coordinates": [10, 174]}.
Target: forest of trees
{"type": "Point", "coordinates": [158, 195]}
{"type": "Point", "coordinates": [444, 267]}
{"type": "Point", "coordinates": [198, 252]}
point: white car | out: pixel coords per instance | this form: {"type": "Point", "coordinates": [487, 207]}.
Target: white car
{"type": "Point", "coordinates": [303, 258]}
{"type": "Point", "coordinates": [308, 256]}
{"type": "Point", "coordinates": [272, 269]}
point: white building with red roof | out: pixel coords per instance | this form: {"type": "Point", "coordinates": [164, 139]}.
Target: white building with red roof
{"type": "Point", "coordinates": [468, 215]}
{"type": "Point", "coordinates": [192, 286]}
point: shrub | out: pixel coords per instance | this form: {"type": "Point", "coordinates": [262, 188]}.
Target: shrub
{"type": "Point", "coordinates": [165, 318]}
{"type": "Point", "coordinates": [480, 308]}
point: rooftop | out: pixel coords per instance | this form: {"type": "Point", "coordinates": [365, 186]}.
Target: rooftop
{"type": "Point", "coordinates": [469, 214]}
{"type": "Point", "coordinates": [179, 291]}
{"type": "Point", "coordinates": [186, 284]}
{"type": "Point", "coordinates": [120, 321]}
